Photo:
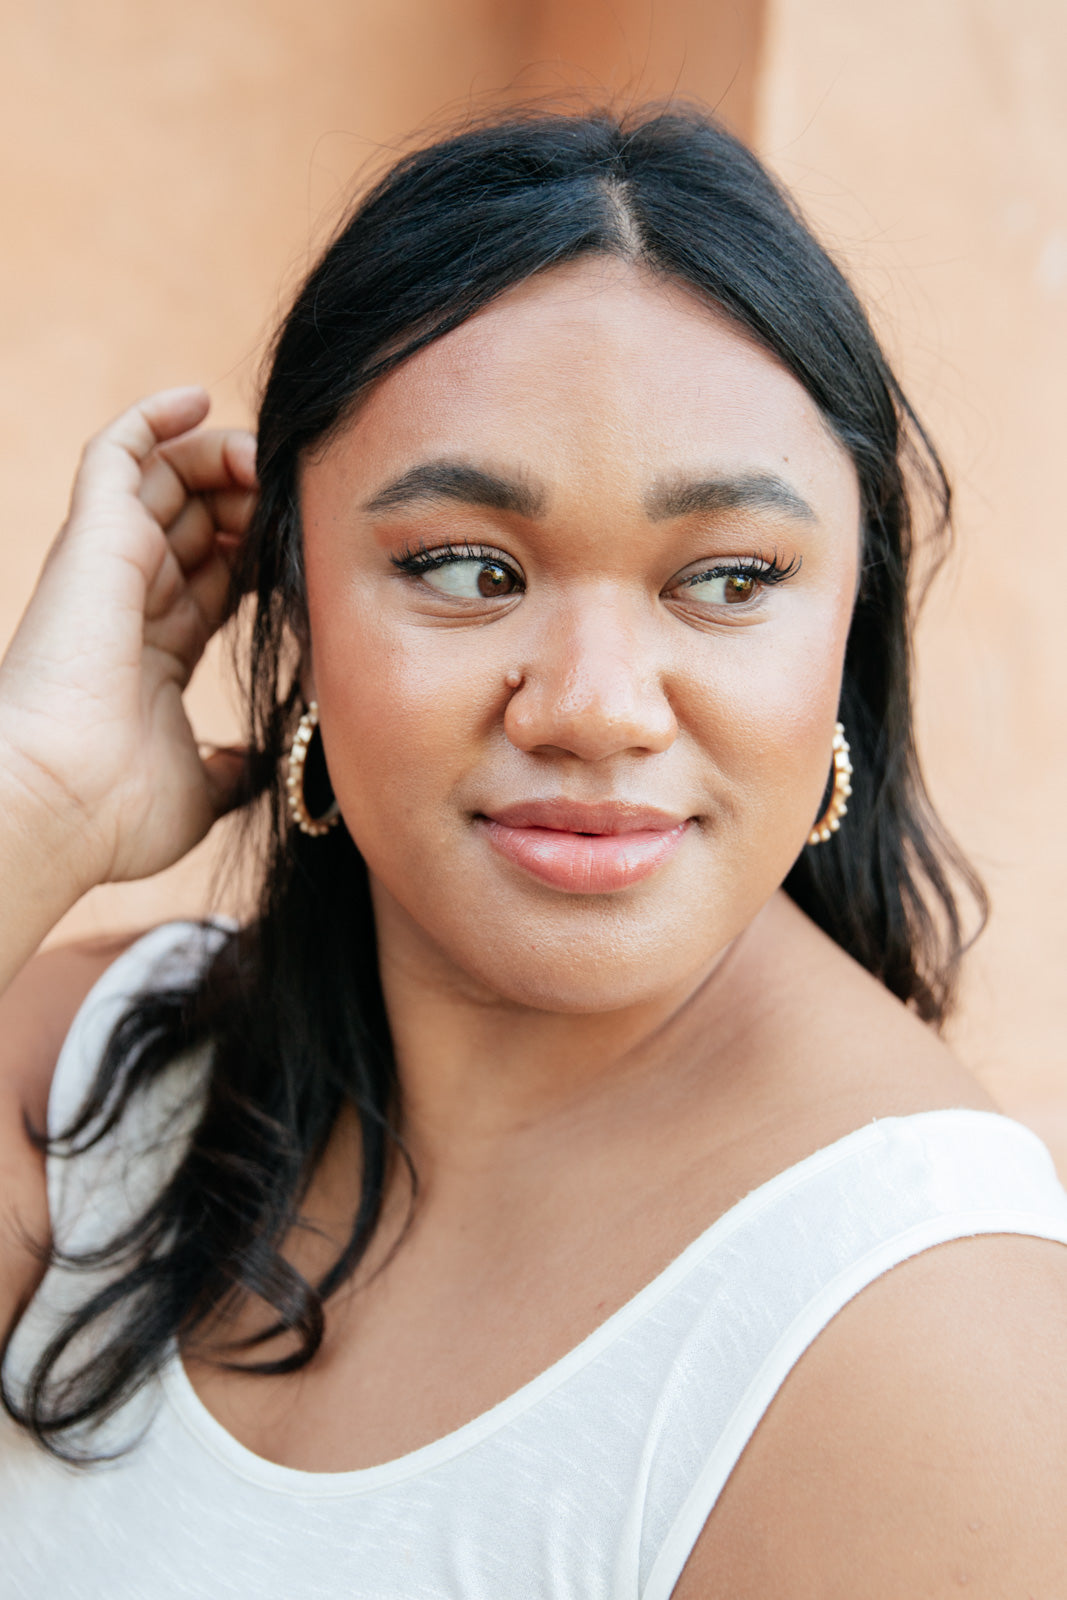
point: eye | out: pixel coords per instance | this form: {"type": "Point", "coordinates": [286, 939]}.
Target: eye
{"type": "Point", "coordinates": [739, 582]}
{"type": "Point", "coordinates": [461, 571]}
{"type": "Point", "coordinates": [718, 588]}
{"type": "Point", "coordinates": [470, 578]}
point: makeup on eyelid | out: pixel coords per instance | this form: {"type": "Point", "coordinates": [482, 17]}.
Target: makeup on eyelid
{"type": "Point", "coordinates": [494, 576]}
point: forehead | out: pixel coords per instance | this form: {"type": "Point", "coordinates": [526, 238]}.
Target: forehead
{"type": "Point", "coordinates": [602, 370]}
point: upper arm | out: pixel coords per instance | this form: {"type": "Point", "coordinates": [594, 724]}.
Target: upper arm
{"type": "Point", "coordinates": [36, 1011]}
{"type": "Point", "coordinates": [919, 1446]}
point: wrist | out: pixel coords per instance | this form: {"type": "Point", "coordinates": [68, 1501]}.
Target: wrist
{"type": "Point", "coordinates": [44, 865]}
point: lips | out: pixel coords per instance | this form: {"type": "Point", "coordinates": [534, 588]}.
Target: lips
{"type": "Point", "coordinates": [585, 848]}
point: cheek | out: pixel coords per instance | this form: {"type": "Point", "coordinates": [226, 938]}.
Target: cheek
{"type": "Point", "coordinates": [764, 709]}
{"type": "Point", "coordinates": [399, 722]}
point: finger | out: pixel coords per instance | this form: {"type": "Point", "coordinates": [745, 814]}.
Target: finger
{"type": "Point", "coordinates": [219, 461]}
{"type": "Point", "coordinates": [241, 448]}
{"type": "Point", "coordinates": [112, 460]}
{"type": "Point", "coordinates": [182, 610]}
{"type": "Point", "coordinates": [162, 491]}
{"type": "Point", "coordinates": [214, 458]}
{"type": "Point", "coordinates": [226, 772]}
{"type": "Point", "coordinates": [191, 535]}
{"type": "Point", "coordinates": [211, 591]}
{"type": "Point", "coordinates": [180, 633]}
{"type": "Point", "coordinates": [209, 526]}
{"type": "Point", "coordinates": [232, 509]}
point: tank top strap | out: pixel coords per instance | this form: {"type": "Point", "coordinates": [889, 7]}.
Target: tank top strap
{"type": "Point", "coordinates": [95, 1192]}
{"type": "Point", "coordinates": [778, 1267]}
{"type": "Point", "coordinates": [167, 955]}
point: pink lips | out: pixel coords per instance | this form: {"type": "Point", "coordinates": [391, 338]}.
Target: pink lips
{"type": "Point", "coordinates": [585, 849]}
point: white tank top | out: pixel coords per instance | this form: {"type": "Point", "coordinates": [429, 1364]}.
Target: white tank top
{"type": "Point", "coordinates": [592, 1482]}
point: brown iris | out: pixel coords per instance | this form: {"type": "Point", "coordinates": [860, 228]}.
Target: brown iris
{"type": "Point", "coordinates": [738, 587]}
{"type": "Point", "coordinates": [495, 579]}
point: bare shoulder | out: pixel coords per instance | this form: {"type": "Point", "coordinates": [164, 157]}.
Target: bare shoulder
{"type": "Point", "coordinates": [36, 1011]}
{"type": "Point", "coordinates": [854, 1048]}
{"type": "Point", "coordinates": [38, 1007]}
{"type": "Point", "coordinates": [919, 1446]}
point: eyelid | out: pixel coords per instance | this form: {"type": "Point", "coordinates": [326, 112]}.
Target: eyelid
{"type": "Point", "coordinates": [422, 555]}
{"type": "Point", "coordinates": [417, 559]}
{"type": "Point", "coordinates": [766, 570]}
{"type": "Point", "coordinates": [419, 563]}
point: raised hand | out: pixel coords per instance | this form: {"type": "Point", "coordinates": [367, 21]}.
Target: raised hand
{"type": "Point", "coordinates": [94, 740]}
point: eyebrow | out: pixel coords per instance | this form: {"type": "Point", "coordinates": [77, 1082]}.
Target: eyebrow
{"type": "Point", "coordinates": [754, 491]}
{"type": "Point", "coordinates": [455, 480]}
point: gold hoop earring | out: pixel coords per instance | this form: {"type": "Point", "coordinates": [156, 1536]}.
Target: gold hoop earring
{"type": "Point", "coordinates": [294, 782]}
{"type": "Point", "coordinates": [830, 820]}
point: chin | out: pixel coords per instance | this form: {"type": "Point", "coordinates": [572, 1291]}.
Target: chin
{"type": "Point", "coordinates": [576, 955]}
{"type": "Point", "coordinates": [563, 991]}
{"type": "Point", "coordinates": [610, 969]}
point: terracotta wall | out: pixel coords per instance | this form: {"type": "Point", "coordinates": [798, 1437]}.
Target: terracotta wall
{"type": "Point", "coordinates": [166, 174]}
{"type": "Point", "coordinates": [928, 141]}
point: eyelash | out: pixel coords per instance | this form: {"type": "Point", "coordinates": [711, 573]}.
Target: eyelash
{"type": "Point", "coordinates": [417, 559]}
{"type": "Point", "coordinates": [762, 569]}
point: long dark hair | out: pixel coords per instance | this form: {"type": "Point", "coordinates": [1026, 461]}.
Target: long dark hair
{"type": "Point", "coordinates": [290, 1007]}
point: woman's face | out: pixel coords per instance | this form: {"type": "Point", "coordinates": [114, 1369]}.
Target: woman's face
{"type": "Point", "coordinates": [579, 580]}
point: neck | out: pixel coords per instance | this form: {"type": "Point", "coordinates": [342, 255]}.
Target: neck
{"type": "Point", "coordinates": [480, 1075]}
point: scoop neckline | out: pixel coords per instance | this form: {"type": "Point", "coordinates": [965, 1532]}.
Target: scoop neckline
{"type": "Point", "coordinates": [184, 1401]}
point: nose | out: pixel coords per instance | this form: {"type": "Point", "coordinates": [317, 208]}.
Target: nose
{"type": "Point", "coordinates": [593, 686]}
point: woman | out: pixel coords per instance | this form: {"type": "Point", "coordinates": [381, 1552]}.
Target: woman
{"type": "Point", "coordinates": [491, 1216]}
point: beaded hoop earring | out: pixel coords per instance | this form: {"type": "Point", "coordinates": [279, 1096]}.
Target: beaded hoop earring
{"type": "Point", "coordinates": [830, 820]}
{"type": "Point", "coordinates": [294, 782]}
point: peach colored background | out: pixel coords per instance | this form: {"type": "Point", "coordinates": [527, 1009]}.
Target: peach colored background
{"type": "Point", "coordinates": [167, 173]}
